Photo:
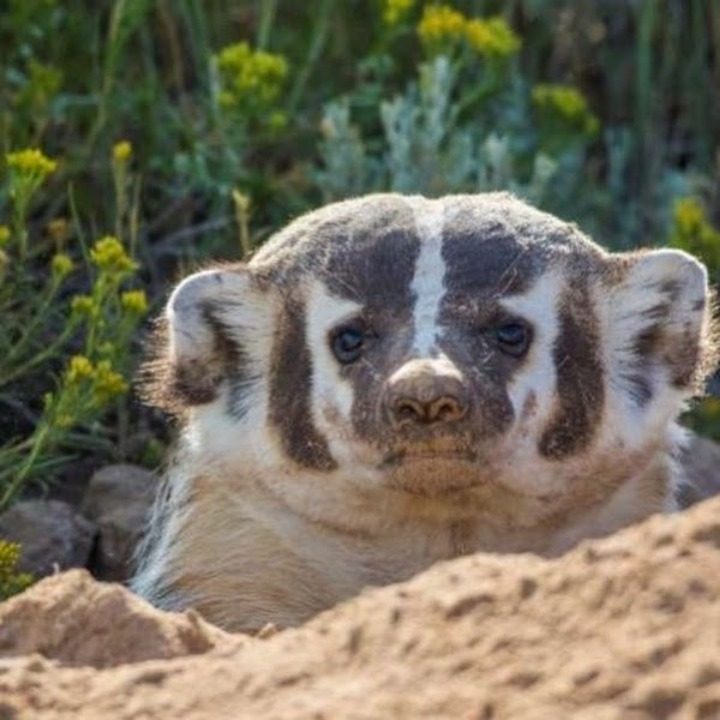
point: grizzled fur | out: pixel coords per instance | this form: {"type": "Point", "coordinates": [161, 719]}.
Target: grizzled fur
{"type": "Point", "coordinates": [516, 389]}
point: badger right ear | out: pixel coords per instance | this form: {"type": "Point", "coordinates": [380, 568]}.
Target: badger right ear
{"type": "Point", "coordinates": [210, 327]}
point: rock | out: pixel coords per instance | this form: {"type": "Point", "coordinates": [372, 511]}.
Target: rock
{"type": "Point", "coordinates": [624, 627]}
{"type": "Point", "coordinates": [76, 620]}
{"type": "Point", "coordinates": [52, 534]}
{"type": "Point", "coordinates": [118, 500]}
{"type": "Point", "coordinates": [701, 461]}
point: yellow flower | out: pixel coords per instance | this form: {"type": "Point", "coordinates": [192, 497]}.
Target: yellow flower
{"type": "Point", "coordinates": [689, 215]}
{"type": "Point", "coordinates": [79, 369]}
{"type": "Point", "coordinates": [122, 151]}
{"type": "Point", "coordinates": [693, 232]}
{"type": "Point", "coordinates": [134, 302]}
{"type": "Point", "coordinates": [11, 580]}
{"type": "Point", "coordinates": [82, 305]}
{"type": "Point", "coordinates": [31, 162]}
{"type": "Point", "coordinates": [250, 79]}
{"type": "Point", "coordinates": [395, 10]}
{"type": "Point", "coordinates": [109, 255]}
{"type": "Point", "coordinates": [108, 383]}
{"type": "Point", "coordinates": [61, 265]}
{"type": "Point", "coordinates": [567, 104]}
{"type": "Point", "coordinates": [4, 234]}
{"type": "Point", "coordinates": [59, 230]}
{"type": "Point", "coordinates": [440, 24]}
{"type": "Point", "coordinates": [9, 555]}
{"type": "Point", "coordinates": [492, 37]}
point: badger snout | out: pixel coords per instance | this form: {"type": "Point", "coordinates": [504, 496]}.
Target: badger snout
{"type": "Point", "coordinates": [425, 393]}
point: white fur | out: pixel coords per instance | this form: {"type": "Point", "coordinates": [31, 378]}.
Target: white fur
{"type": "Point", "coordinates": [330, 393]}
{"type": "Point", "coordinates": [621, 314]}
{"type": "Point", "coordinates": [266, 540]}
{"type": "Point", "coordinates": [539, 307]}
{"type": "Point", "coordinates": [428, 282]}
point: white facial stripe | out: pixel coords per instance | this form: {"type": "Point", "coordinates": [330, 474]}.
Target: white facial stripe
{"type": "Point", "coordinates": [428, 282]}
{"type": "Point", "coordinates": [538, 306]}
{"type": "Point", "coordinates": [325, 311]}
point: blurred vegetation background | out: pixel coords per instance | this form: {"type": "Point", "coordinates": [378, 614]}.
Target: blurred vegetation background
{"type": "Point", "coordinates": [139, 137]}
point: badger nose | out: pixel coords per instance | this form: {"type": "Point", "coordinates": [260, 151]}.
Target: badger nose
{"type": "Point", "coordinates": [424, 394]}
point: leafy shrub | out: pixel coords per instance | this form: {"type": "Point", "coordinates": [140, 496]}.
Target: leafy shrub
{"type": "Point", "coordinates": [64, 354]}
{"type": "Point", "coordinates": [469, 122]}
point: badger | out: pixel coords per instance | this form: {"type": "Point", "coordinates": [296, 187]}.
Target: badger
{"type": "Point", "coordinates": [394, 380]}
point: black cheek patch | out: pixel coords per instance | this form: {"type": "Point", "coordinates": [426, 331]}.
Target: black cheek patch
{"type": "Point", "coordinates": [290, 384]}
{"type": "Point", "coordinates": [580, 382]}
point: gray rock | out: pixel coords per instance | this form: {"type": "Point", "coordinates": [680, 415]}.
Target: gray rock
{"type": "Point", "coordinates": [53, 535]}
{"type": "Point", "coordinates": [118, 500]}
{"type": "Point", "coordinates": [701, 462]}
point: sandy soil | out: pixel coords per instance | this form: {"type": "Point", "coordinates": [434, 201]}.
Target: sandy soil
{"type": "Point", "coordinates": [627, 627]}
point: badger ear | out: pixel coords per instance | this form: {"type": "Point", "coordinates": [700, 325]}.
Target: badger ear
{"type": "Point", "coordinates": [206, 333]}
{"type": "Point", "coordinates": [659, 322]}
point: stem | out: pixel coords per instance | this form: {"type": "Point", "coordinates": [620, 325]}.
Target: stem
{"type": "Point", "coordinates": [267, 15]}
{"type": "Point", "coordinates": [38, 440]}
{"type": "Point", "coordinates": [37, 359]}
{"type": "Point", "coordinates": [27, 334]}
{"type": "Point", "coordinates": [316, 45]}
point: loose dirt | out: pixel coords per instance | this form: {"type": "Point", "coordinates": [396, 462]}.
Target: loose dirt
{"type": "Point", "coordinates": [627, 627]}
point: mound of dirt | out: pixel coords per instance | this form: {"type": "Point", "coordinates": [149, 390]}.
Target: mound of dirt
{"type": "Point", "coordinates": [627, 627]}
{"type": "Point", "coordinates": [78, 621]}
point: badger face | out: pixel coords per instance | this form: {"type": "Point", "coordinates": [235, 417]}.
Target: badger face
{"type": "Point", "coordinates": [459, 347]}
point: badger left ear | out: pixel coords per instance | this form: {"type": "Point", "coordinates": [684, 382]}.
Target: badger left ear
{"type": "Point", "coordinates": [659, 322]}
{"type": "Point", "coordinates": [212, 334]}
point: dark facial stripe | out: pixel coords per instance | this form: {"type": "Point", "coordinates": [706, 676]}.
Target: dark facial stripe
{"type": "Point", "coordinates": [580, 383]}
{"type": "Point", "coordinates": [290, 410]}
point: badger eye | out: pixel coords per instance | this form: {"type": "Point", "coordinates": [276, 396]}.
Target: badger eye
{"type": "Point", "coordinates": [513, 338]}
{"type": "Point", "coordinates": [347, 344]}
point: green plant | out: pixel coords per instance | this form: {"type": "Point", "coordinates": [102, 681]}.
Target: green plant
{"type": "Point", "coordinates": [46, 322]}
{"type": "Point", "coordinates": [469, 122]}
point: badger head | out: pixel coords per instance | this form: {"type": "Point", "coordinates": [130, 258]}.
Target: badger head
{"type": "Point", "coordinates": [468, 347]}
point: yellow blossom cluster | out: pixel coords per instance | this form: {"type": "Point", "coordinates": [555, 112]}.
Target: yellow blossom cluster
{"type": "Point", "coordinates": [393, 11]}
{"type": "Point", "coordinates": [567, 104]}
{"type": "Point", "coordinates": [31, 162]}
{"type": "Point", "coordinates": [134, 302]}
{"type": "Point", "coordinates": [109, 255]}
{"type": "Point", "coordinates": [122, 151]}
{"type": "Point", "coordinates": [11, 580]}
{"type": "Point", "coordinates": [79, 369]}
{"type": "Point", "coordinates": [106, 383]}
{"type": "Point", "coordinates": [492, 37]}
{"type": "Point", "coordinates": [250, 79]}
{"type": "Point", "coordinates": [83, 305]}
{"type": "Point", "coordinates": [59, 229]}
{"type": "Point", "coordinates": [693, 232]}
{"type": "Point", "coordinates": [4, 234]}
{"type": "Point", "coordinates": [442, 27]}
{"type": "Point", "coordinates": [61, 265]}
